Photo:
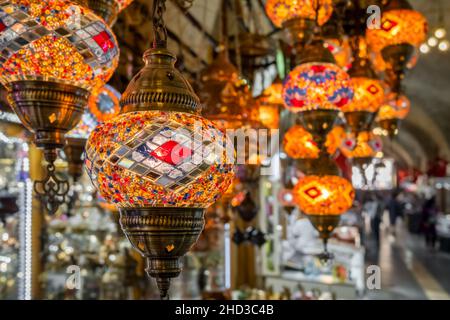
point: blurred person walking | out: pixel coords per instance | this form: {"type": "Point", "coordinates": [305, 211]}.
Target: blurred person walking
{"type": "Point", "coordinates": [429, 219]}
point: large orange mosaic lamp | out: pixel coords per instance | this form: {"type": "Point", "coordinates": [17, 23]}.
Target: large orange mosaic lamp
{"type": "Point", "coordinates": [392, 113]}
{"type": "Point", "coordinates": [323, 197]}
{"type": "Point", "coordinates": [299, 17]}
{"type": "Point", "coordinates": [317, 90]}
{"type": "Point", "coordinates": [53, 53]}
{"type": "Point", "coordinates": [368, 94]}
{"type": "Point", "coordinates": [159, 161]}
{"type": "Point", "coordinates": [402, 31]}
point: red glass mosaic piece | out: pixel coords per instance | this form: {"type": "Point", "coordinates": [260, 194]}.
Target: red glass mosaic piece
{"type": "Point", "coordinates": [388, 25]}
{"type": "Point", "coordinates": [373, 89]}
{"type": "Point", "coordinates": [104, 41]}
{"type": "Point", "coordinates": [172, 152]}
{"type": "Point", "coordinates": [313, 192]}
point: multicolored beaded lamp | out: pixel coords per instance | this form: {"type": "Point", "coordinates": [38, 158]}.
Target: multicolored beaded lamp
{"type": "Point", "coordinates": [103, 105]}
{"type": "Point", "coordinates": [52, 53]}
{"type": "Point", "coordinates": [108, 10]}
{"type": "Point", "coordinates": [299, 17]}
{"type": "Point", "coordinates": [317, 89]}
{"type": "Point", "coordinates": [159, 161]}
{"type": "Point", "coordinates": [402, 31]}
{"type": "Point", "coordinates": [392, 112]}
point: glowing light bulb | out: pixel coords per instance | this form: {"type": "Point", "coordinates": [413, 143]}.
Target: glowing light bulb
{"type": "Point", "coordinates": [440, 33]}
{"type": "Point", "coordinates": [424, 48]}
{"type": "Point", "coordinates": [444, 45]}
{"type": "Point", "coordinates": [432, 42]}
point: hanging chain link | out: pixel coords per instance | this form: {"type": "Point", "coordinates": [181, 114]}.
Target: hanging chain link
{"type": "Point", "coordinates": [159, 27]}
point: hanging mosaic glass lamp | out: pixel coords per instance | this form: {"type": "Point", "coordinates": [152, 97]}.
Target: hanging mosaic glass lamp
{"type": "Point", "coordinates": [402, 31]}
{"type": "Point", "coordinates": [270, 103]}
{"type": "Point", "coordinates": [108, 10]}
{"type": "Point", "coordinates": [361, 147]}
{"type": "Point", "coordinates": [298, 143]}
{"type": "Point", "coordinates": [392, 112]}
{"type": "Point", "coordinates": [103, 104]}
{"type": "Point", "coordinates": [53, 53]}
{"type": "Point", "coordinates": [159, 161]}
{"type": "Point", "coordinates": [299, 17]}
{"type": "Point", "coordinates": [317, 90]}
{"type": "Point", "coordinates": [323, 196]}
{"type": "Point", "coordinates": [368, 91]}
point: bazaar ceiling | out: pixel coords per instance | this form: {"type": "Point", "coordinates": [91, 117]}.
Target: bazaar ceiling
{"type": "Point", "coordinates": [195, 33]}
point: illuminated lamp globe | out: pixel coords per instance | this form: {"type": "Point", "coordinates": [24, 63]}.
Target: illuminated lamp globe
{"type": "Point", "coordinates": [341, 51]}
{"type": "Point", "coordinates": [362, 149]}
{"type": "Point", "coordinates": [367, 99]}
{"type": "Point", "coordinates": [317, 89]}
{"type": "Point", "coordinates": [392, 112]}
{"type": "Point", "coordinates": [402, 32]}
{"type": "Point", "coordinates": [298, 143]}
{"type": "Point", "coordinates": [53, 53]}
{"type": "Point", "coordinates": [317, 86]}
{"type": "Point", "coordinates": [324, 198]}
{"type": "Point", "coordinates": [161, 164]}
{"type": "Point", "coordinates": [270, 102]}
{"type": "Point", "coordinates": [299, 17]}
{"type": "Point", "coordinates": [103, 105]}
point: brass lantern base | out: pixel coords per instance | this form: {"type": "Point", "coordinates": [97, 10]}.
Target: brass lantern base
{"type": "Point", "coordinates": [319, 123]}
{"type": "Point", "coordinates": [325, 224]}
{"type": "Point", "coordinates": [359, 120]}
{"type": "Point", "coordinates": [397, 58]}
{"type": "Point", "coordinates": [74, 149]}
{"type": "Point", "coordinates": [390, 126]}
{"type": "Point", "coordinates": [163, 235]}
{"type": "Point", "coordinates": [300, 31]}
{"type": "Point", "coordinates": [323, 165]}
{"type": "Point", "coordinates": [49, 110]}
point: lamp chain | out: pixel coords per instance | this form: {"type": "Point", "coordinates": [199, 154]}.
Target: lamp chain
{"type": "Point", "coordinates": [159, 27]}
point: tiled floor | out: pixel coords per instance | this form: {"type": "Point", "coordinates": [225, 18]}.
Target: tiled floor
{"type": "Point", "coordinates": [409, 270]}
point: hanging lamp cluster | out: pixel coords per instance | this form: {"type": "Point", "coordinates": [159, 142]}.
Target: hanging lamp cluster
{"type": "Point", "coordinates": [159, 161]}
{"type": "Point", "coordinates": [316, 90]}
{"type": "Point", "coordinates": [402, 32]}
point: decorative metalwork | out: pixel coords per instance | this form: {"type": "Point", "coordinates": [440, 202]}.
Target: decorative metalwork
{"type": "Point", "coordinates": [52, 191]}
